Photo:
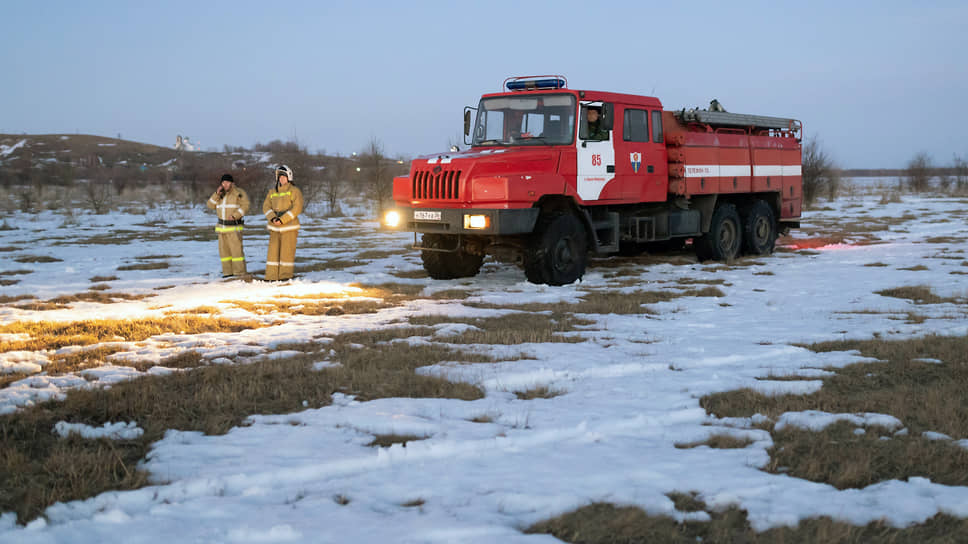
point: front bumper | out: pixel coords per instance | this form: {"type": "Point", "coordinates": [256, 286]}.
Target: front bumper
{"type": "Point", "coordinates": [452, 220]}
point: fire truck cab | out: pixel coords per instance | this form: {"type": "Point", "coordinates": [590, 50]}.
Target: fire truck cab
{"type": "Point", "coordinates": [553, 174]}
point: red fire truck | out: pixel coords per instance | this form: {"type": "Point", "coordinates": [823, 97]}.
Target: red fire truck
{"type": "Point", "coordinates": [554, 174]}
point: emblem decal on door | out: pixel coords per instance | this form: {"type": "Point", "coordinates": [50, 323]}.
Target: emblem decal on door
{"type": "Point", "coordinates": [636, 159]}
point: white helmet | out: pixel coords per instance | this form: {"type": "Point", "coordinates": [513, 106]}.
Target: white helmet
{"type": "Point", "coordinates": [282, 169]}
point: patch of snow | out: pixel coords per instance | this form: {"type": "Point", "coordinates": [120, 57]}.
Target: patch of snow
{"type": "Point", "coordinates": [8, 149]}
{"type": "Point", "coordinates": [23, 362]}
{"type": "Point", "coordinates": [114, 431]}
{"type": "Point", "coordinates": [815, 420]}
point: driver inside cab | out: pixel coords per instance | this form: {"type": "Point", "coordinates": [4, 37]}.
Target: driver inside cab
{"type": "Point", "coordinates": [595, 130]}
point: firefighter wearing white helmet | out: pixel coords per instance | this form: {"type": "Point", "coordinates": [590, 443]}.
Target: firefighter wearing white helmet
{"type": "Point", "coordinates": [282, 207]}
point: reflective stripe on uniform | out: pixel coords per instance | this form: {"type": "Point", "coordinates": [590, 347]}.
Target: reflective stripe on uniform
{"type": "Point", "coordinates": [226, 259]}
{"type": "Point", "coordinates": [237, 259]}
{"type": "Point", "coordinates": [287, 193]}
{"type": "Point", "coordinates": [272, 263]}
{"type": "Point", "coordinates": [287, 264]}
{"type": "Point", "coordinates": [282, 229]}
{"type": "Point", "coordinates": [290, 213]}
{"type": "Point", "coordinates": [220, 229]}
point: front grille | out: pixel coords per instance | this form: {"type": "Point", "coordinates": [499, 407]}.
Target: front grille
{"type": "Point", "coordinates": [444, 185]}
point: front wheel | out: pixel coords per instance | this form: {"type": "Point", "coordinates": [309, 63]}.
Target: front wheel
{"type": "Point", "coordinates": [448, 265]}
{"type": "Point", "coordinates": [558, 250]}
{"type": "Point", "coordinates": [724, 239]}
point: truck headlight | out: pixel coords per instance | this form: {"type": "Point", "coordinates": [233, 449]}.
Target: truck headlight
{"type": "Point", "coordinates": [477, 221]}
{"type": "Point", "coordinates": [392, 219]}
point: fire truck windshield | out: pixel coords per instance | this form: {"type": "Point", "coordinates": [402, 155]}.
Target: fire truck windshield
{"type": "Point", "coordinates": [534, 119]}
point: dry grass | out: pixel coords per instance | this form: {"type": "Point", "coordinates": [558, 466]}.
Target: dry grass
{"type": "Point", "coordinates": [719, 441]}
{"type": "Point", "coordinates": [539, 392]}
{"type": "Point", "coordinates": [145, 266]}
{"type": "Point", "coordinates": [331, 264]}
{"type": "Point", "coordinates": [373, 254]}
{"type": "Point", "coordinates": [37, 259]}
{"type": "Point", "coordinates": [451, 294]}
{"type": "Point", "coordinates": [918, 393]}
{"type": "Point", "coordinates": [332, 308]}
{"type": "Point", "coordinates": [198, 310]}
{"type": "Point", "coordinates": [877, 264]}
{"type": "Point", "coordinates": [611, 302]}
{"type": "Point", "coordinates": [601, 523]}
{"type": "Point", "coordinates": [48, 335]}
{"type": "Point", "coordinates": [95, 294]}
{"type": "Point", "coordinates": [915, 268]}
{"type": "Point", "coordinates": [212, 399]}
{"type": "Point", "coordinates": [919, 294]}
{"type": "Point", "coordinates": [15, 272]}
{"type": "Point", "coordinates": [945, 240]}
{"type": "Point", "coordinates": [702, 281]}
{"type": "Point", "coordinates": [387, 440]}
{"type": "Point", "coordinates": [99, 279]}
{"type": "Point", "coordinates": [510, 329]}
{"type": "Point", "coordinates": [410, 274]}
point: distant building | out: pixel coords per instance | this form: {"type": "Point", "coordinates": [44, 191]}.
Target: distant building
{"type": "Point", "coordinates": [185, 144]}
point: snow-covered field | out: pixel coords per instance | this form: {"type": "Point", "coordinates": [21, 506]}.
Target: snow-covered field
{"type": "Point", "coordinates": [630, 391]}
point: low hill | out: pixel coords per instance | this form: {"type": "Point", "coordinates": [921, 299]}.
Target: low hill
{"type": "Point", "coordinates": [78, 149]}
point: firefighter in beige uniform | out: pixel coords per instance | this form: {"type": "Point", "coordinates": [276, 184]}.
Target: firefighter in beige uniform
{"type": "Point", "coordinates": [231, 204]}
{"type": "Point", "coordinates": [282, 208]}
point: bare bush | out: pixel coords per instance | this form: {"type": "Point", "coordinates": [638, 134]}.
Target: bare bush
{"type": "Point", "coordinates": [335, 181]}
{"type": "Point", "coordinates": [959, 173]}
{"type": "Point", "coordinates": [376, 177]}
{"type": "Point", "coordinates": [820, 175]}
{"type": "Point", "coordinates": [917, 175]}
{"type": "Point", "coordinates": [98, 191]}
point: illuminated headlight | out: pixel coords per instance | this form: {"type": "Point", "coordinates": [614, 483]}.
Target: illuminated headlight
{"type": "Point", "coordinates": [392, 219]}
{"type": "Point", "coordinates": [477, 221]}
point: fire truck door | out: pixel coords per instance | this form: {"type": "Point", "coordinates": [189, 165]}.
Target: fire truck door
{"type": "Point", "coordinates": [638, 156]}
{"type": "Point", "coordinates": [596, 159]}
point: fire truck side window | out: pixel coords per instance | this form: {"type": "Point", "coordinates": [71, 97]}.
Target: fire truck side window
{"type": "Point", "coordinates": [636, 126]}
{"type": "Point", "coordinates": [657, 127]}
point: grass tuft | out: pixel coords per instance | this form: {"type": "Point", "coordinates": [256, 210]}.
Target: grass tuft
{"type": "Point", "coordinates": [538, 392]}
{"type": "Point", "coordinates": [145, 266]}
{"type": "Point", "coordinates": [602, 523]}
{"type": "Point", "coordinates": [387, 440]}
{"type": "Point", "coordinates": [905, 385]}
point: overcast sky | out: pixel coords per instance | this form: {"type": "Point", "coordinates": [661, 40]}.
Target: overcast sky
{"type": "Point", "coordinates": [876, 82]}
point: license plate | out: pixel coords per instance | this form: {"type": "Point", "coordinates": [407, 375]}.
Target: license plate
{"type": "Point", "coordinates": [426, 216]}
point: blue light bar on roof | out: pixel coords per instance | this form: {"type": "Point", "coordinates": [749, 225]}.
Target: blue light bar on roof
{"type": "Point", "coordinates": [534, 84]}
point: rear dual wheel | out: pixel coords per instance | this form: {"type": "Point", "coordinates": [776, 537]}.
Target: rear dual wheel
{"type": "Point", "coordinates": [725, 236]}
{"type": "Point", "coordinates": [759, 229]}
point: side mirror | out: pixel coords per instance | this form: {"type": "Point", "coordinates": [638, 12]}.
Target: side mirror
{"type": "Point", "coordinates": [467, 123]}
{"type": "Point", "coordinates": [607, 116]}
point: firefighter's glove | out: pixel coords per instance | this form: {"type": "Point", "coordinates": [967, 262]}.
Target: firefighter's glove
{"type": "Point", "coordinates": [221, 193]}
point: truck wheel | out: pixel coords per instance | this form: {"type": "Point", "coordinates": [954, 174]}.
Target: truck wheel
{"type": "Point", "coordinates": [447, 265]}
{"type": "Point", "coordinates": [558, 250]}
{"type": "Point", "coordinates": [724, 239]}
{"type": "Point", "coordinates": [759, 229]}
